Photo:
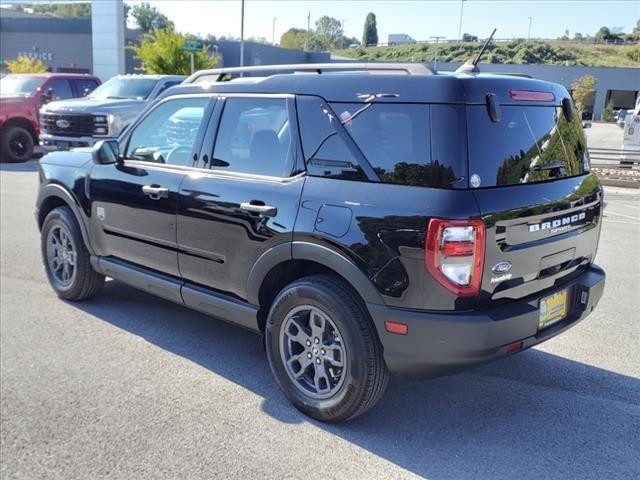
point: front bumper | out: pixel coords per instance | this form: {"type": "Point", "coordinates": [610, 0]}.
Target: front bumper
{"type": "Point", "coordinates": [440, 343]}
{"type": "Point", "coordinates": [55, 143]}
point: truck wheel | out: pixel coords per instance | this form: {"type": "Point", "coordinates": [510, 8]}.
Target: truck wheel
{"type": "Point", "coordinates": [16, 144]}
{"type": "Point", "coordinates": [66, 259]}
{"type": "Point", "coordinates": [323, 349]}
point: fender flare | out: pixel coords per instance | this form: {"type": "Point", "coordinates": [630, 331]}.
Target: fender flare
{"type": "Point", "coordinates": [315, 253]}
{"type": "Point", "coordinates": [55, 190]}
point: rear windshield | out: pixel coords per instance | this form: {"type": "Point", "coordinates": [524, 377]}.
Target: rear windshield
{"type": "Point", "coordinates": [529, 144]}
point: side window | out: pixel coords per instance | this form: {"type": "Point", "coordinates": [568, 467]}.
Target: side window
{"type": "Point", "coordinates": [168, 133]}
{"type": "Point", "coordinates": [254, 136]}
{"type": "Point", "coordinates": [85, 86]}
{"type": "Point", "coordinates": [325, 152]}
{"type": "Point", "coordinates": [60, 89]}
{"type": "Point", "coordinates": [168, 84]}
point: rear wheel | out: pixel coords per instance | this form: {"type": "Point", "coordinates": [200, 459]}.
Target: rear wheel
{"type": "Point", "coordinates": [323, 349]}
{"type": "Point", "coordinates": [66, 259]}
{"type": "Point", "coordinates": [16, 144]}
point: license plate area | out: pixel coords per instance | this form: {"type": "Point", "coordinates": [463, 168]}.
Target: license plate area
{"type": "Point", "coordinates": [553, 308]}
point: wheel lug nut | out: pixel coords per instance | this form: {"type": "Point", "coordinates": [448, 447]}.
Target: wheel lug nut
{"type": "Point", "coordinates": [318, 361]}
{"type": "Point", "coordinates": [308, 355]}
{"type": "Point", "coordinates": [317, 340]}
{"type": "Point", "coordinates": [322, 351]}
{"type": "Point", "coordinates": [308, 343]}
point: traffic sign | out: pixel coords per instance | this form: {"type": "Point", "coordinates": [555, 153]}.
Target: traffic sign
{"type": "Point", "coordinates": [192, 46]}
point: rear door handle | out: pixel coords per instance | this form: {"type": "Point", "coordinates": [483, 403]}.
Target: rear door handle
{"type": "Point", "coordinates": [155, 192]}
{"type": "Point", "coordinates": [255, 206]}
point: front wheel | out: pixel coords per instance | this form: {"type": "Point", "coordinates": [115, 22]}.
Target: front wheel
{"type": "Point", "coordinates": [66, 259]}
{"type": "Point", "coordinates": [323, 349]}
{"type": "Point", "coordinates": [16, 144]}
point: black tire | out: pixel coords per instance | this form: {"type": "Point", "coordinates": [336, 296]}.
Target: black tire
{"type": "Point", "coordinates": [16, 144]}
{"type": "Point", "coordinates": [83, 282]}
{"type": "Point", "coordinates": [364, 377]}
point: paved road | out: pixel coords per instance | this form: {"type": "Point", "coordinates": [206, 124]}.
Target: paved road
{"type": "Point", "coordinates": [129, 386]}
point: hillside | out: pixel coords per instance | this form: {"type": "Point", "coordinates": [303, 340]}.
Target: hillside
{"type": "Point", "coordinates": [517, 52]}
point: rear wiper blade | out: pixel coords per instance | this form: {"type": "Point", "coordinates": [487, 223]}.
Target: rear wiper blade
{"type": "Point", "coordinates": [548, 166]}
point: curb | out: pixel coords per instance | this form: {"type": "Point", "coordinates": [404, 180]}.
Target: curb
{"type": "Point", "coordinates": [612, 182]}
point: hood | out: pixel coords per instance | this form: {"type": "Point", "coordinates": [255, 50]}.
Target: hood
{"type": "Point", "coordinates": [75, 157]}
{"type": "Point", "coordinates": [89, 105]}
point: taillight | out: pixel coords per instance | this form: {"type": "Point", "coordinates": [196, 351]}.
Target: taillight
{"type": "Point", "coordinates": [454, 254]}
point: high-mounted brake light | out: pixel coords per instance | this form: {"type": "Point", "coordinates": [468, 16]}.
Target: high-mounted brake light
{"type": "Point", "coordinates": [531, 95]}
{"type": "Point", "coordinates": [454, 254]}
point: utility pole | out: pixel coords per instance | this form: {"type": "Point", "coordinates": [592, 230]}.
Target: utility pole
{"type": "Point", "coordinates": [273, 31]}
{"type": "Point", "coordinates": [242, 35]}
{"type": "Point", "coordinates": [435, 58]}
{"type": "Point", "coordinates": [529, 36]}
{"type": "Point", "coordinates": [306, 40]}
{"type": "Point", "coordinates": [460, 25]}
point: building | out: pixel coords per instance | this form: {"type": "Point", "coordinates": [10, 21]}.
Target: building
{"type": "Point", "coordinates": [399, 39]}
{"type": "Point", "coordinates": [618, 86]}
{"type": "Point", "coordinates": [66, 45]}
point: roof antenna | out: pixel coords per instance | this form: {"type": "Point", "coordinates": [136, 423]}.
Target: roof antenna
{"type": "Point", "coordinates": [471, 66]}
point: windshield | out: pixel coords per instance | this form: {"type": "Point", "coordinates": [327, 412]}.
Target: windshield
{"type": "Point", "coordinates": [131, 88]}
{"type": "Point", "coordinates": [16, 85]}
{"type": "Point", "coordinates": [529, 144]}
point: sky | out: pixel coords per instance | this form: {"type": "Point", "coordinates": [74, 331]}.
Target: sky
{"type": "Point", "coordinates": [418, 18]}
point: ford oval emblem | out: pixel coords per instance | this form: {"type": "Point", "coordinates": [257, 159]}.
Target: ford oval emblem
{"type": "Point", "coordinates": [62, 123]}
{"type": "Point", "coordinates": [501, 267]}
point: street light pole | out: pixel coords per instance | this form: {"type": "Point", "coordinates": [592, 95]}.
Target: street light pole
{"type": "Point", "coordinates": [435, 58]}
{"type": "Point", "coordinates": [273, 31]}
{"type": "Point", "coordinates": [460, 25]}
{"type": "Point", "coordinates": [529, 37]}
{"type": "Point", "coordinates": [242, 34]}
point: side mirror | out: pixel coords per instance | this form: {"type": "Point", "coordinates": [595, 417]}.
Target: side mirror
{"type": "Point", "coordinates": [586, 124]}
{"type": "Point", "coordinates": [106, 152]}
{"type": "Point", "coordinates": [47, 96]}
{"type": "Point", "coordinates": [86, 91]}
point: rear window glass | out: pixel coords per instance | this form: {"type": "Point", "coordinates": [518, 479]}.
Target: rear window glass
{"type": "Point", "coordinates": [398, 141]}
{"type": "Point", "coordinates": [529, 144]}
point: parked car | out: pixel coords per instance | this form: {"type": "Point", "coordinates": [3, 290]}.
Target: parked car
{"type": "Point", "coordinates": [363, 224]}
{"type": "Point", "coordinates": [21, 96]}
{"type": "Point", "coordinates": [103, 114]}
{"type": "Point", "coordinates": [621, 115]}
{"type": "Point", "coordinates": [631, 137]}
{"type": "Point", "coordinates": [467, 37]}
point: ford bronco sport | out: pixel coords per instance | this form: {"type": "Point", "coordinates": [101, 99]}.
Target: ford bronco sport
{"type": "Point", "coordinates": [365, 219]}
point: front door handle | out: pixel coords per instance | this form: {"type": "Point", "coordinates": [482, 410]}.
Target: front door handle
{"type": "Point", "coordinates": [259, 207]}
{"type": "Point", "coordinates": [155, 192]}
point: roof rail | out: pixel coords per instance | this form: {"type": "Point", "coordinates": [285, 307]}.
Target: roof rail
{"type": "Point", "coordinates": [216, 74]}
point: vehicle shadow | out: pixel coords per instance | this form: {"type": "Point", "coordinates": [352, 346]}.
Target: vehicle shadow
{"type": "Point", "coordinates": [28, 166]}
{"type": "Point", "coordinates": [534, 415]}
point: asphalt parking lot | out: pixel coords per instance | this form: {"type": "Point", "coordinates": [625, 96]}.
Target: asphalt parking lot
{"type": "Point", "coordinates": [130, 386]}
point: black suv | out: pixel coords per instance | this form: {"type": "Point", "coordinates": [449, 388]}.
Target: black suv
{"type": "Point", "coordinates": [363, 218]}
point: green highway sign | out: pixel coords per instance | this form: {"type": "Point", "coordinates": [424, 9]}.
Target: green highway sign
{"type": "Point", "coordinates": [192, 46]}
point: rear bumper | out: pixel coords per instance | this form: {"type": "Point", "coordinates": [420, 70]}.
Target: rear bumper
{"type": "Point", "coordinates": [440, 343]}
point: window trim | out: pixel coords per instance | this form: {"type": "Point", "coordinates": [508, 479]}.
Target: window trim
{"type": "Point", "coordinates": [125, 139]}
{"type": "Point", "coordinates": [211, 137]}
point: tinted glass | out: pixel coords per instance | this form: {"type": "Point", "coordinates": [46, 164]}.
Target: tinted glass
{"type": "Point", "coordinates": [168, 133]}
{"type": "Point", "coordinates": [125, 87]}
{"type": "Point", "coordinates": [85, 86]}
{"type": "Point", "coordinates": [325, 151]}
{"type": "Point", "coordinates": [18, 85]}
{"type": "Point", "coordinates": [60, 89]}
{"type": "Point", "coordinates": [529, 144]}
{"type": "Point", "coordinates": [254, 137]}
{"type": "Point", "coordinates": [168, 84]}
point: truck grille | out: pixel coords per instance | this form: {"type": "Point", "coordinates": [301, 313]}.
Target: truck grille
{"type": "Point", "coordinates": [75, 126]}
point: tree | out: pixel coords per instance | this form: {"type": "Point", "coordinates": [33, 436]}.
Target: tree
{"type": "Point", "coordinates": [69, 10]}
{"type": "Point", "coordinates": [370, 35]}
{"type": "Point", "coordinates": [161, 52]}
{"type": "Point", "coordinates": [577, 36]}
{"type": "Point", "coordinates": [329, 32]}
{"type": "Point", "coordinates": [583, 90]}
{"type": "Point", "coordinates": [149, 18]}
{"type": "Point", "coordinates": [24, 64]}
{"type": "Point", "coordinates": [295, 38]}
{"type": "Point", "coordinates": [608, 114]}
